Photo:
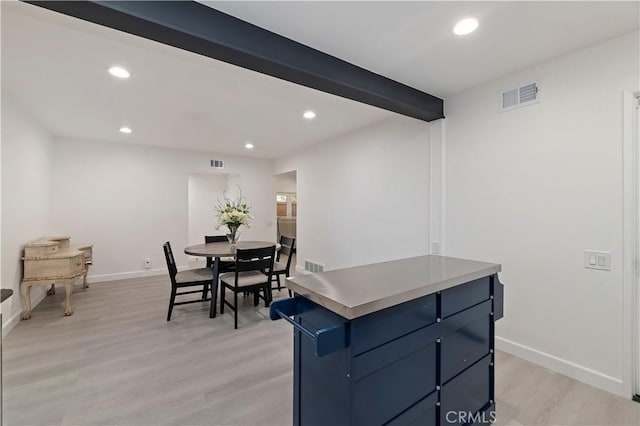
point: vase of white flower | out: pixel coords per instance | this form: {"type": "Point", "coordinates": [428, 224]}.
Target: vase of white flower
{"type": "Point", "coordinates": [233, 234]}
{"type": "Point", "coordinates": [233, 214]}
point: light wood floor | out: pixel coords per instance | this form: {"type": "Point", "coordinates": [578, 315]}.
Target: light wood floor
{"type": "Point", "coordinates": [117, 361]}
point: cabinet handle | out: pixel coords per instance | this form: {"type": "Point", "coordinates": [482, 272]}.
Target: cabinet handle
{"type": "Point", "coordinates": [310, 334]}
{"type": "Point", "coordinates": [327, 340]}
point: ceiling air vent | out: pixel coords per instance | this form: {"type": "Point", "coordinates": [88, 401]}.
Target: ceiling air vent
{"type": "Point", "coordinates": [522, 96]}
{"type": "Point", "coordinates": [217, 164]}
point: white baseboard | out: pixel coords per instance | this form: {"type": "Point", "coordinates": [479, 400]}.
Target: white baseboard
{"type": "Point", "coordinates": [10, 325]}
{"type": "Point", "coordinates": [93, 279]}
{"type": "Point", "coordinates": [568, 368]}
{"type": "Point", "coordinates": [15, 319]}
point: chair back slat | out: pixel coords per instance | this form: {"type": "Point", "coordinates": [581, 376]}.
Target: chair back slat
{"type": "Point", "coordinates": [286, 247]}
{"type": "Point", "coordinates": [259, 259]}
{"type": "Point", "coordinates": [171, 263]}
{"type": "Point", "coordinates": [214, 239]}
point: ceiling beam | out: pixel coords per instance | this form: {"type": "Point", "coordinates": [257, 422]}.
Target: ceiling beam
{"type": "Point", "coordinates": [200, 29]}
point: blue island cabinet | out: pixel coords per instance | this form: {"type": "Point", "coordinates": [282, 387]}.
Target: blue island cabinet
{"type": "Point", "coordinates": [425, 361]}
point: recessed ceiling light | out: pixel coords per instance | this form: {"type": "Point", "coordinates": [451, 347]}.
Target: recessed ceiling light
{"type": "Point", "coordinates": [125, 129]}
{"type": "Point", "coordinates": [248, 145]}
{"type": "Point", "coordinates": [466, 26]}
{"type": "Point", "coordinates": [119, 72]}
{"type": "Point", "coordinates": [309, 115]}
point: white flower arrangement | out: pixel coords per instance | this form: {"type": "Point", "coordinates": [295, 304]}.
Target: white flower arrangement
{"type": "Point", "coordinates": [233, 214]}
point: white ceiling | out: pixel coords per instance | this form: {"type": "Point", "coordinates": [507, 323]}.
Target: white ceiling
{"type": "Point", "coordinates": [56, 66]}
{"type": "Point", "coordinates": [412, 42]}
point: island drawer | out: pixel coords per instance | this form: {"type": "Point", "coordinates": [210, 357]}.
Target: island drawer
{"type": "Point", "coordinates": [464, 296]}
{"type": "Point", "coordinates": [464, 397]}
{"type": "Point", "coordinates": [424, 413]}
{"type": "Point", "coordinates": [381, 327]}
{"type": "Point", "coordinates": [413, 377]}
{"type": "Point", "coordinates": [465, 346]}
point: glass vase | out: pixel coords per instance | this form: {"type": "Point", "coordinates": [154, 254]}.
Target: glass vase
{"type": "Point", "coordinates": [233, 235]}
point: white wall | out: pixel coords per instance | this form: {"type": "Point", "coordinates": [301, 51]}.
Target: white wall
{"type": "Point", "coordinates": [26, 168]}
{"type": "Point", "coordinates": [204, 192]}
{"type": "Point", "coordinates": [128, 200]}
{"type": "Point", "coordinates": [437, 186]}
{"type": "Point", "coordinates": [286, 183]}
{"type": "Point", "coordinates": [533, 188]}
{"type": "Point", "coordinates": [363, 196]}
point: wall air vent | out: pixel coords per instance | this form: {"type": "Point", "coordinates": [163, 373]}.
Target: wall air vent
{"type": "Point", "coordinates": [217, 164]}
{"type": "Point", "coordinates": [313, 267]}
{"type": "Point", "coordinates": [522, 96]}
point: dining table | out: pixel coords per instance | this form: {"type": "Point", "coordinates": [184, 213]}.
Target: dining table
{"type": "Point", "coordinates": [220, 250]}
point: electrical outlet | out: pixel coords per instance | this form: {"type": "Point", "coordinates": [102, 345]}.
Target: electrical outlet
{"type": "Point", "coordinates": [147, 263]}
{"type": "Point", "coordinates": [435, 247]}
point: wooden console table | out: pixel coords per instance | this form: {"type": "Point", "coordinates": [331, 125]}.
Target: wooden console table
{"type": "Point", "coordinates": [53, 260]}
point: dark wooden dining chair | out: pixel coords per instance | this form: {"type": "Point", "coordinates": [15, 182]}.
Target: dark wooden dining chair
{"type": "Point", "coordinates": [252, 273]}
{"type": "Point", "coordinates": [226, 265]}
{"type": "Point", "coordinates": [202, 277]}
{"type": "Point", "coordinates": [287, 246]}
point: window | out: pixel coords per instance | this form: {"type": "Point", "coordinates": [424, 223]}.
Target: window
{"type": "Point", "coordinates": [281, 198]}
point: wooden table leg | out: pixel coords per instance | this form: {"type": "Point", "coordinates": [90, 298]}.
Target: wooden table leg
{"type": "Point", "coordinates": [52, 290]}
{"type": "Point", "coordinates": [68, 286]}
{"type": "Point", "coordinates": [86, 272]}
{"type": "Point", "coordinates": [214, 287]}
{"type": "Point", "coordinates": [25, 292]}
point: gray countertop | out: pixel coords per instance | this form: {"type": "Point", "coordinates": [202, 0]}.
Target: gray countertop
{"type": "Point", "coordinates": [361, 290]}
{"type": "Point", "coordinates": [5, 293]}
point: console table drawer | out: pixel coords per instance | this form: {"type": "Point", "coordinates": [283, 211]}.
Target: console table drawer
{"type": "Point", "coordinates": [61, 267]}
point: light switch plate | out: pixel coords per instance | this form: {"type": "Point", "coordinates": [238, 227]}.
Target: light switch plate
{"type": "Point", "coordinates": [595, 259]}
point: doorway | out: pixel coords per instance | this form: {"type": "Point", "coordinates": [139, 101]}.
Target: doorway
{"type": "Point", "coordinates": [205, 189]}
{"type": "Point", "coordinates": [635, 249]}
{"type": "Point", "coordinates": [287, 206]}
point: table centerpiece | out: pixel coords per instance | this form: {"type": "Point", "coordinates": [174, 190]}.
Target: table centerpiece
{"type": "Point", "coordinates": [233, 213]}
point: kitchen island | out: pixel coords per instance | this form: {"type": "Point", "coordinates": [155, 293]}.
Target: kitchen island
{"type": "Point", "coordinates": [405, 342]}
